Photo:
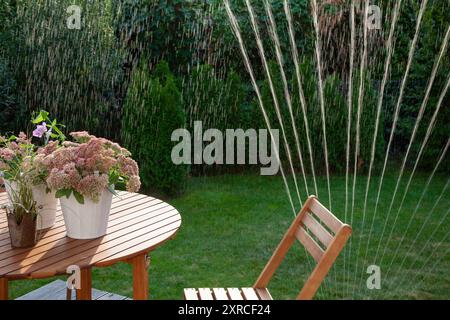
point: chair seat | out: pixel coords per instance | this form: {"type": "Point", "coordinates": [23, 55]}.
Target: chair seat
{"type": "Point", "coordinates": [227, 294]}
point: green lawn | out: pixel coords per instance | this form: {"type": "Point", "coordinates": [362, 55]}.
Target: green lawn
{"type": "Point", "coordinates": [232, 224]}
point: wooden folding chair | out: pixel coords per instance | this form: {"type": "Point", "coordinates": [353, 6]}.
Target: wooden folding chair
{"type": "Point", "coordinates": [318, 230]}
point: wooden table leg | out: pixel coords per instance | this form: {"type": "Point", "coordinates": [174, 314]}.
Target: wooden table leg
{"type": "Point", "coordinates": [85, 291]}
{"type": "Point", "coordinates": [3, 289]}
{"type": "Point", "coordinates": [140, 277]}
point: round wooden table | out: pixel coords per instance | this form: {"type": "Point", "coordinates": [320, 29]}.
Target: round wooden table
{"type": "Point", "coordinates": [137, 224]}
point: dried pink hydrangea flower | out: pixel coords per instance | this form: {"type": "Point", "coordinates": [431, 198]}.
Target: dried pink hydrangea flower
{"type": "Point", "coordinates": [49, 148]}
{"type": "Point", "coordinates": [86, 166]}
{"type": "Point", "coordinates": [134, 184]}
{"type": "Point", "coordinates": [93, 185]}
{"type": "Point", "coordinates": [81, 136]}
{"type": "Point", "coordinates": [7, 154]}
{"type": "Point", "coordinates": [14, 151]}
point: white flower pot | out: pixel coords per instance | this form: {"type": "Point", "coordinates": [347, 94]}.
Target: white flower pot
{"type": "Point", "coordinates": [45, 202]}
{"type": "Point", "coordinates": [88, 220]}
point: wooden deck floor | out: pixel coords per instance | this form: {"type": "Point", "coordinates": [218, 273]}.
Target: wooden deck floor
{"type": "Point", "coordinates": [56, 290]}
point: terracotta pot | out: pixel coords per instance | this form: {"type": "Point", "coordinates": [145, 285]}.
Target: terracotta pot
{"type": "Point", "coordinates": [88, 220]}
{"type": "Point", "coordinates": [22, 235]}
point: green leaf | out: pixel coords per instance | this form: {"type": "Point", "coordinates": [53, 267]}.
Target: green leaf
{"type": "Point", "coordinates": [63, 193]}
{"type": "Point", "coordinates": [59, 132]}
{"type": "Point", "coordinates": [43, 116]}
{"type": "Point", "coordinates": [38, 120]}
{"type": "Point", "coordinates": [113, 177]}
{"type": "Point", "coordinates": [59, 194]}
{"type": "Point", "coordinates": [79, 197]}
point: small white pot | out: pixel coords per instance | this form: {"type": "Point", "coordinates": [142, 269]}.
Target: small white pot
{"type": "Point", "coordinates": [88, 220]}
{"type": "Point", "coordinates": [45, 202]}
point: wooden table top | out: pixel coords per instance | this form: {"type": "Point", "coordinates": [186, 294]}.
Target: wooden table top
{"type": "Point", "coordinates": [137, 224]}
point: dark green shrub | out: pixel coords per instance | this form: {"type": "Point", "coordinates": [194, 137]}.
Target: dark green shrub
{"type": "Point", "coordinates": [336, 117]}
{"type": "Point", "coordinates": [152, 111]}
{"type": "Point", "coordinates": [227, 48]}
{"type": "Point", "coordinates": [9, 105]}
{"type": "Point", "coordinates": [71, 73]}
{"type": "Point", "coordinates": [432, 32]}
{"type": "Point", "coordinates": [212, 99]}
{"type": "Point", "coordinates": [168, 30]}
{"type": "Point", "coordinates": [11, 110]}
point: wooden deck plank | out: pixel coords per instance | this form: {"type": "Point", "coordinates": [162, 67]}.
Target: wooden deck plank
{"type": "Point", "coordinates": [44, 291]}
{"type": "Point", "coordinates": [56, 290]}
{"type": "Point", "coordinates": [112, 296]}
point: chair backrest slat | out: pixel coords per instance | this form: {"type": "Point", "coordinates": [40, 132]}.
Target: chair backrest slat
{"type": "Point", "coordinates": [317, 229]}
{"type": "Point", "coordinates": [325, 215]}
{"type": "Point", "coordinates": [323, 236]}
{"type": "Point", "coordinates": [310, 245]}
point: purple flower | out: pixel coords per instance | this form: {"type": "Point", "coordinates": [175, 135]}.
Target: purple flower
{"type": "Point", "coordinates": [40, 130]}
